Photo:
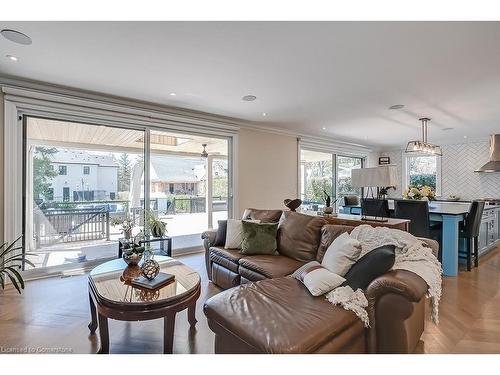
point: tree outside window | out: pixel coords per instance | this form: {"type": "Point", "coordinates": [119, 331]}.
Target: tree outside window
{"type": "Point", "coordinates": [422, 171]}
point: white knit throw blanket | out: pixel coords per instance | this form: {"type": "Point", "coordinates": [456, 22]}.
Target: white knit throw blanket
{"type": "Point", "coordinates": [411, 255]}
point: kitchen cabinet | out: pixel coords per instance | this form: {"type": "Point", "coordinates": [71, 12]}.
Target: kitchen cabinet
{"type": "Point", "coordinates": [489, 232]}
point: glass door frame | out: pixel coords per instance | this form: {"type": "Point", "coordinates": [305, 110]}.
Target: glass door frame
{"type": "Point", "coordinates": [23, 121]}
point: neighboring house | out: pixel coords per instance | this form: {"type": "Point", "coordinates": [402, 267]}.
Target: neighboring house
{"type": "Point", "coordinates": [177, 175]}
{"type": "Point", "coordinates": [83, 176]}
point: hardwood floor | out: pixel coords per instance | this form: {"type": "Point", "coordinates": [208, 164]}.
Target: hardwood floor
{"type": "Point", "coordinates": [54, 313]}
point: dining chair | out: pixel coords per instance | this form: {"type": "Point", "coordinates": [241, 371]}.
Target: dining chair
{"type": "Point", "coordinates": [374, 207]}
{"type": "Point", "coordinates": [417, 212]}
{"type": "Point", "coordinates": [470, 231]}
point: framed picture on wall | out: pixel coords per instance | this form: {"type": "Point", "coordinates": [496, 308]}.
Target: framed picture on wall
{"type": "Point", "coordinates": [384, 160]}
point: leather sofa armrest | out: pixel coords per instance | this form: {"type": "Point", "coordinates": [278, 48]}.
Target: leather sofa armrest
{"type": "Point", "coordinates": [208, 240]}
{"type": "Point", "coordinates": [395, 309]}
{"type": "Point", "coordinates": [405, 283]}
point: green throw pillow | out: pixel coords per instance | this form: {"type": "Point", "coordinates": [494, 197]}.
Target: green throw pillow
{"type": "Point", "coordinates": [259, 238]}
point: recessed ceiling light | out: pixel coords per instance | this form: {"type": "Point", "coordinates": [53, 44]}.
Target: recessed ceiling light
{"type": "Point", "coordinates": [16, 36]}
{"type": "Point", "coordinates": [264, 114]}
{"type": "Point", "coordinates": [249, 98]}
{"type": "Point", "coordinates": [12, 58]}
{"type": "Point", "coordinates": [324, 128]}
{"type": "Point", "coordinates": [465, 136]}
{"type": "Point", "coordinates": [172, 94]}
{"type": "Point", "coordinates": [397, 106]}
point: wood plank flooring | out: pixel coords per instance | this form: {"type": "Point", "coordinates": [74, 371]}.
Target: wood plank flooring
{"type": "Point", "coordinates": [54, 313]}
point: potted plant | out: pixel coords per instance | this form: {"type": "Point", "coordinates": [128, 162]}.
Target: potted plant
{"type": "Point", "coordinates": [127, 224]}
{"type": "Point", "coordinates": [10, 265]}
{"type": "Point", "coordinates": [157, 227]}
{"type": "Point", "coordinates": [133, 251]}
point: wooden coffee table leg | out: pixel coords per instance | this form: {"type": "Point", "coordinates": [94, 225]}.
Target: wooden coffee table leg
{"type": "Point", "coordinates": [168, 333]}
{"type": "Point", "coordinates": [93, 314]}
{"type": "Point", "coordinates": [103, 334]}
{"type": "Point", "coordinates": [192, 314]}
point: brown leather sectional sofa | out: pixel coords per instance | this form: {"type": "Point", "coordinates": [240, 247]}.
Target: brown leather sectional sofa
{"type": "Point", "coordinates": [266, 311]}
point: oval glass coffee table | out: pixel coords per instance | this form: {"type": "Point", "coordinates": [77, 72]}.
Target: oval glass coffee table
{"type": "Point", "coordinates": [112, 296]}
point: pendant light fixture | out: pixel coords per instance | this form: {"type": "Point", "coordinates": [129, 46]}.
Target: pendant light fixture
{"type": "Point", "coordinates": [422, 146]}
{"type": "Point", "coordinates": [204, 153]}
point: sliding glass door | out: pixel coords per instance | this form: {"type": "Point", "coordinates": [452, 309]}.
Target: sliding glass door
{"type": "Point", "coordinates": [324, 172]}
{"type": "Point", "coordinates": [316, 176]}
{"type": "Point", "coordinates": [188, 184]}
{"type": "Point", "coordinates": [345, 164]}
{"type": "Point", "coordinates": [85, 184]}
{"type": "Point", "coordinates": [78, 190]}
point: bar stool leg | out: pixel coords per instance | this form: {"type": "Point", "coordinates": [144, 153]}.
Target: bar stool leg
{"type": "Point", "coordinates": [469, 253]}
{"type": "Point", "coordinates": [476, 252]}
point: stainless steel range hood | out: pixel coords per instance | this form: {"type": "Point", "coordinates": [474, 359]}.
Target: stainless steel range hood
{"type": "Point", "coordinates": [494, 164]}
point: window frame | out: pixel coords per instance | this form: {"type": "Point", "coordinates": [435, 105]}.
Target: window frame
{"type": "Point", "coordinates": [86, 168]}
{"type": "Point", "coordinates": [406, 173]}
{"type": "Point", "coordinates": [63, 168]}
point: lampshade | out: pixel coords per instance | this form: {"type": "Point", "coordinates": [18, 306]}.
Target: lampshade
{"type": "Point", "coordinates": [374, 177]}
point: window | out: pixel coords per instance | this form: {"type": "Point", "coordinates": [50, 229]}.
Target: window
{"type": "Point", "coordinates": [316, 176]}
{"type": "Point", "coordinates": [423, 170]}
{"type": "Point", "coordinates": [63, 170]}
{"type": "Point", "coordinates": [345, 164]}
{"type": "Point", "coordinates": [86, 170]}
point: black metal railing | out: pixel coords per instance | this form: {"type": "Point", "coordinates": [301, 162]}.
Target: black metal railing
{"type": "Point", "coordinates": [70, 225]}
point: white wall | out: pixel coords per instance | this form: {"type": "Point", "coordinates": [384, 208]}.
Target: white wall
{"type": "Point", "coordinates": [1, 165]}
{"type": "Point", "coordinates": [267, 169]}
{"type": "Point", "coordinates": [457, 169]}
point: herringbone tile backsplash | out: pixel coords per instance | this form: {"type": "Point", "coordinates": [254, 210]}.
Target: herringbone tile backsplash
{"type": "Point", "coordinates": [458, 164]}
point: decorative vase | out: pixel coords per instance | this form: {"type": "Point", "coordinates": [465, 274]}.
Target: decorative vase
{"type": "Point", "coordinates": [150, 269]}
{"type": "Point", "coordinates": [328, 210]}
{"type": "Point", "coordinates": [132, 259]}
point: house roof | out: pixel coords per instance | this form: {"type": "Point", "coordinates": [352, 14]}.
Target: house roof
{"type": "Point", "coordinates": [175, 169]}
{"type": "Point", "coordinates": [66, 156]}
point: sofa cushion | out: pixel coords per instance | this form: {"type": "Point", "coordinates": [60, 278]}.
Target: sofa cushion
{"type": "Point", "coordinates": [259, 238]}
{"type": "Point", "coordinates": [220, 237]}
{"type": "Point", "coordinates": [317, 279]}
{"type": "Point", "coordinates": [234, 233]}
{"type": "Point", "coordinates": [342, 254]}
{"type": "Point", "coordinates": [370, 266]}
{"type": "Point", "coordinates": [329, 233]}
{"type": "Point", "coordinates": [280, 316]}
{"type": "Point", "coordinates": [270, 266]}
{"type": "Point", "coordinates": [225, 257]}
{"type": "Point", "coordinates": [299, 235]}
{"type": "Point", "coordinates": [265, 216]}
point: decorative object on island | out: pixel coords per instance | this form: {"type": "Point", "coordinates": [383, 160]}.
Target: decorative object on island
{"type": "Point", "coordinates": [384, 160]}
{"type": "Point", "coordinates": [157, 227]}
{"type": "Point", "coordinates": [127, 224]}
{"type": "Point", "coordinates": [12, 262]}
{"type": "Point", "coordinates": [292, 204]}
{"type": "Point", "coordinates": [132, 251]}
{"type": "Point", "coordinates": [453, 197]}
{"type": "Point", "coordinates": [423, 193]}
{"type": "Point", "coordinates": [422, 146]}
{"type": "Point", "coordinates": [379, 177]}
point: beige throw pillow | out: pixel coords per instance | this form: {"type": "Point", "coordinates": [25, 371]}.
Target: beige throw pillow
{"type": "Point", "coordinates": [234, 233]}
{"type": "Point", "coordinates": [343, 252]}
{"type": "Point", "coordinates": [317, 279]}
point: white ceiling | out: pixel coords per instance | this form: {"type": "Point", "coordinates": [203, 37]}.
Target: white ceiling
{"type": "Point", "coordinates": [307, 75]}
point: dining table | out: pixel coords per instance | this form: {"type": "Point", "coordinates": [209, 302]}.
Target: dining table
{"type": "Point", "coordinates": [450, 214]}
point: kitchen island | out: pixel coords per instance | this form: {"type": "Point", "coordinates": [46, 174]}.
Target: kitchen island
{"type": "Point", "coordinates": [451, 214]}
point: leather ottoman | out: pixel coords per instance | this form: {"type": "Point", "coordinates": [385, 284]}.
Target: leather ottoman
{"type": "Point", "coordinates": [280, 316]}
